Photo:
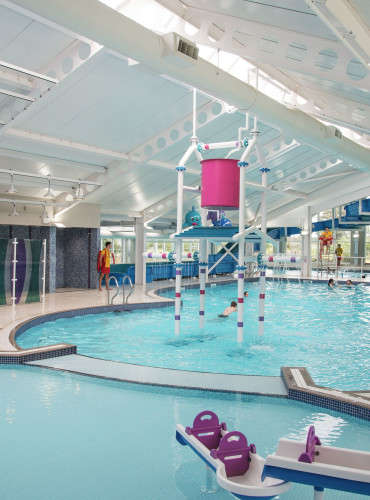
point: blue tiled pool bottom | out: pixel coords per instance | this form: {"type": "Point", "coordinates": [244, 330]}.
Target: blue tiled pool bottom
{"type": "Point", "coordinates": [66, 436]}
{"type": "Point", "coordinates": [310, 325]}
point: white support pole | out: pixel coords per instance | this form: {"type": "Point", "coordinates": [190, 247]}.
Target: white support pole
{"type": "Point", "coordinates": [203, 264]}
{"type": "Point", "coordinates": [209, 487]}
{"type": "Point", "coordinates": [178, 243]}
{"type": "Point", "coordinates": [144, 261]}
{"type": "Point", "coordinates": [264, 170]}
{"type": "Point", "coordinates": [240, 267]}
{"type": "Point", "coordinates": [43, 271]}
{"type": "Point", "coordinates": [194, 113]}
{"type": "Point", "coordinates": [139, 249]}
{"type": "Point", "coordinates": [318, 493]}
{"type": "Point", "coordinates": [220, 145]}
{"type": "Point", "coordinates": [14, 279]}
{"type": "Point", "coordinates": [306, 259]}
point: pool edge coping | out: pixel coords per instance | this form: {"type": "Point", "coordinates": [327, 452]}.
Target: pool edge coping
{"type": "Point", "coordinates": [308, 392]}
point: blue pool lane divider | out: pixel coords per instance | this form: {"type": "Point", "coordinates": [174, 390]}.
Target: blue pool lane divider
{"type": "Point", "coordinates": [245, 474]}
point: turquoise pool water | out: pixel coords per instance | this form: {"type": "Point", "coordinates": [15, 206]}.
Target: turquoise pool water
{"type": "Point", "coordinates": [326, 330]}
{"type": "Point", "coordinates": [66, 437]}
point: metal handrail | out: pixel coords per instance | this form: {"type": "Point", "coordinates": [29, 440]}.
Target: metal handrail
{"type": "Point", "coordinates": [123, 288]}
{"type": "Point", "coordinates": [117, 288]}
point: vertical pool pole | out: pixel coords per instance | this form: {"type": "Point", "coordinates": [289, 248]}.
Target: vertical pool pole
{"type": "Point", "coordinates": [14, 279]}
{"type": "Point", "coordinates": [264, 170]}
{"type": "Point", "coordinates": [241, 246]}
{"type": "Point", "coordinates": [318, 493]}
{"type": "Point", "coordinates": [203, 258]}
{"type": "Point", "coordinates": [240, 267]}
{"type": "Point", "coordinates": [209, 486]}
{"type": "Point", "coordinates": [178, 245]}
{"type": "Point", "coordinates": [43, 271]}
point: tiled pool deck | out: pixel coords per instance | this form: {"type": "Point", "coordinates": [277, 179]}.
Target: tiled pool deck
{"type": "Point", "coordinates": [294, 382]}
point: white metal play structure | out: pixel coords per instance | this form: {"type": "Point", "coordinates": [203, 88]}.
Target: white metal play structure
{"type": "Point", "coordinates": [220, 178]}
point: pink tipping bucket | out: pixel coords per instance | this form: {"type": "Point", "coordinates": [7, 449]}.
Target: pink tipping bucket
{"type": "Point", "coordinates": [220, 184]}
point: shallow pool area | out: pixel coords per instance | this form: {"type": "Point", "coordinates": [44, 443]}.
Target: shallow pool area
{"type": "Point", "coordinates": [69, 436]}
{"type": "Point", "coordinates": [310, 325]}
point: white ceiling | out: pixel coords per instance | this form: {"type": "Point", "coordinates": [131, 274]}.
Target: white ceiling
{"type": "Point", "coordinates": [126, 126]}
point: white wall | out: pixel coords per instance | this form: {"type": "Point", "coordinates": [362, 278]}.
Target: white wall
{"type": "Point", "coordinates": [82, 215]}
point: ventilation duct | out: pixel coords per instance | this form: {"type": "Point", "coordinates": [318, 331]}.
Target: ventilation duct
{"type": "Point", "coordinates": [179, 51]}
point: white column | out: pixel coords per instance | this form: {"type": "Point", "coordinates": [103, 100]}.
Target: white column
{"type": "Point", "coordinates": [306, 259]}
{"type": "Point", "coordinates": [203, 264]}
{"type": "Point", "coordinates": [139, 250]}
{"type": "Point", "coordinates": [241, 248]}
{"type": "Point", "coordinates": [178, 246]}
{"type": "Point", "coordinates": [261, 315]}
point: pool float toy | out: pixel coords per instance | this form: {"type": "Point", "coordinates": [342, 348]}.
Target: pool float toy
{"type": "Point", "coordinates": [218, 218]}
{"type": "Point", "coordinates": [192, 218]}
{"type": "Point", "coordinates": [237, 466]}
{"type": "Point", "coordinates": [320, 466]}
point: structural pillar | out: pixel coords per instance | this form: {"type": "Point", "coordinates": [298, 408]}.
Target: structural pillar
{"type": "Point", "coordinates": [306, 259]}
{"type": "Point", "coordinates": [283, 242]}
{"type": "Point", "coordinates": [139, 250]}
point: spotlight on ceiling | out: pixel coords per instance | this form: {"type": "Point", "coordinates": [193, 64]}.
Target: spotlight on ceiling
{"type": "Point", "coordinates": [49, 193]}
{"type": "Point", "coordinates": [44, 212]}
{"type": "Point", "coordinates": [14, 213]}
{"type": "Point", "coordinates": [11, 189]}
{"type": "Point", "coordinates": [79, 193]}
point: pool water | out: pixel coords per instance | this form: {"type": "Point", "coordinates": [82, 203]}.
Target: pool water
{"type": "Point", "coordinates": [66, 436]}
{"type": "Point", "coordinates": [325, 330]}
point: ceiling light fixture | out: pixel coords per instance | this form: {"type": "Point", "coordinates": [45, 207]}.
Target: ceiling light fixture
{"type": "Point", "coordinates": [79, 193]}
{"type": "Point", "coordinates": [14, 213]}
{"type": "Point", "coordinates": [49, 193]}
{"type": "Point", "coordinates": [11, 189]}
{"type": "Point", "coordinates": [44, 212]}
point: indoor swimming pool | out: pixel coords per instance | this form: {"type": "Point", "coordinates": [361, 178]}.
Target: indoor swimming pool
{"type": "Point", "coordinates": [67, 436]}
{"type": "Point", "coordinates": [325, 330]}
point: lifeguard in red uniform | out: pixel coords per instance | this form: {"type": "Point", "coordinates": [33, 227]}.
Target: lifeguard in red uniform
{"type": "Point", "coordinates": [105, 257]}
{"type": "Point", "coordinates": [326, 239]}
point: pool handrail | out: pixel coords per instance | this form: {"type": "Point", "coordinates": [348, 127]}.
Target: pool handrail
{"type": "Point", "coordinates": [117, 289]}
{"type": "Point", "coordinates": [123, 288]}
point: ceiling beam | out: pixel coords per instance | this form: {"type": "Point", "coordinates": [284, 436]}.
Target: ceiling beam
{"type": "Point", "coordinates": [50, 160]}
{"type": "Point", "coordinates": [354, 31]}
{"type": "Point", "coordinates": [96, 21]}
{"type": "Point", "coordinates": [64, 143]}
{"type": "Point", "coordinates": [228, 33]}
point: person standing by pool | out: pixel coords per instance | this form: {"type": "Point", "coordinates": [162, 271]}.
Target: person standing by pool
{"type": "Point", "coordinates": [104, 264]}
{"type": "Point", "coordinates": [229, 310]}
{"type": "Point", "coordinates": [326, 239]}
{"type": "Point", "coordinates": [338, 253]}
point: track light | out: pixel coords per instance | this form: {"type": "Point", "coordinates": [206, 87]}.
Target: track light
{"type": "Point", "coordinates": [49, 193]}
{"type": "Point", "coordinates": [11, 189]}
{"type": "Point", "coordinates": [79, 193]}
{"type": "Point", "coordinates": [14, 213]}
{"type": "Point", "coordinates": [44, 212]}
